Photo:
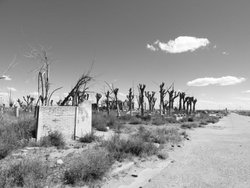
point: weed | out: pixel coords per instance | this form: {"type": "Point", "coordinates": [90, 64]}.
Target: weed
{"type": "Point", "coordinates": [99, 122]}
{"type": "Point", "coordinates": [88, 138]}
{"type": "Point", "coordinates": [189, 125]}
{"type": "Point", "coordinates": [54, 138]}
{"type": "Point", "coordinates": [121, 148]}
{"type": "Point", "coordinates": [135, 121]}
{"type": "Point", "coordinates": [89, 167]}
{"type": "Point", "coordinates": [25, 173]}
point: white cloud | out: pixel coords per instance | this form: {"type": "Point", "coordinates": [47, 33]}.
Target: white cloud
{"type": "Point", "coordinates": [5, 77]}
{"type": "Point", "coordinates": [11, 88]}
{"type": "Point", "coordinates": [222, 81]}
{"type": "Point", "coordinates": [151, 47]}
{"type": "Point", "coordinates": [3, 94]}
{"type": "Point", "coordinates": [247, 91]}
{"type": "Point", "coordinates": [179, 45]}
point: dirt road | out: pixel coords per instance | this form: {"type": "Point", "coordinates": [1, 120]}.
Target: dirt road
{"type": "Point", "coordinates": [217, 156]}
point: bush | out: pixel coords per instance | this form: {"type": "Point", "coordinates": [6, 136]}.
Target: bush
{"type": "Point", "coordinates": [160, 135]}
{"type": "Point", "coordinates": [135, 121]}
{"type": "Point", "coordinates": [121, 148]}
{"type": "Point", "coordinates": [88, 138]}
{"type": "Point", "coordinates": [212, 119]}
{"type": "Point", "coordinates": [99, 122]}
{"type": "Point", "coordinates": [88, 168]}
{"type": "Point", "coordinates": [158, 121]}
{"type": "Point", "coordinates": [189, 125]}
{"type": "Point", "coordinates": [12, 134]}
{"type": "Point", "coordinates": [170, 120]}
{"type": "Point", "coordinates": [25, 173]}
{"type": "Point", "coordinates": [54, 138]}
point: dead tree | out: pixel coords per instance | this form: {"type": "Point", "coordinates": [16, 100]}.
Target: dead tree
{"type": "Point", "coordinates": [188, 101]}
{"type": "Point", "coordinates": [98, 96]}
{"type": "Point", "coordinates": [181, 99]}
{"type": "Point", "coordinates": [194, 103]}
{"type": "Point", "coordinates": [173, 98]}
{"type": "Point", "coordinates": [163, 93]}
{"type": "Point", "coordinates": [130, 98]}
{"type": "Point", "coordinates": [79, 92]}
{"type": "Point", "coordinates": [115, 91]}
{"type": "Point", "coordinates": [141, 89]}
{"type": "Point", "coordinates": [165, 106]}
{"type": "Point", "coordinates": [43, 75]}
{"type": "Point", "coordinates": [20, 103]}
{"type": "Point", "coordinates": [191, 99]}
{"type": "Point", "coordinates": [107, 95]}
{"type": "Point", "coordinates": [185, 102]}
{"type": "Point", "coordinates": [153, 103]}
{"type": "Point", "coordinates": [29, 102]}
{"type": "Point", "coordinates": [150, 97]}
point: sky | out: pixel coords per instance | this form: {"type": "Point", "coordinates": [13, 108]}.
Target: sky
{"type": "Point", "coordinates": [202, 46]}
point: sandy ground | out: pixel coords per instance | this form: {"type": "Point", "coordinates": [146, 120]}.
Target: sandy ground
{"type": "Point", "coordinates": [216, 156]}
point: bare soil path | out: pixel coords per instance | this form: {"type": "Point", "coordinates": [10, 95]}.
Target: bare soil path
{"type": "Point", "coordinates": [217, 156]}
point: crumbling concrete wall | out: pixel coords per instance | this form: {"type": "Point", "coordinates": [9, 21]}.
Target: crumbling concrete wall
{"type": "Point", "coordinates": [71, 121]}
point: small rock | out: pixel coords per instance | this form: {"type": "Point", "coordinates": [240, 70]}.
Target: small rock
{"type": "Point", "coordinates": [179, 146]}
{"type": "Point", "coordinates": [172, 146]}
{"type": "Point", "coordinates": [59, 162]}
{"type": "Point", "coordinates": [134, 175]}
{"type": "Point", "coordinates": [172, 161]}
{"type": "Point", "coordinates": [107, 128]}
{"type": "Point", "coordinates": [149, 180]}
{"type": "Point", "coordinates": [187, 138]}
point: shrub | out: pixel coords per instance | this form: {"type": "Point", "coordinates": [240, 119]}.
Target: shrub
{"type": "Point", "coordinates": [189, 125]}
{"type": "Point", "coordinates": [169, 134]}
{"type": "Point", "coordinates": [25, 173]}
{"type": "Point", "coordinates": [212, 119]}
{"type": "Point", "coordinates": [54, 138]}
{"type": "Point", "coordinates": [158, 121]}
{"type": "Point", "coordinates": [88, 138]}
{"type": "Point", "coordinates": [99, 122]}
{"type": "Point", "coordinates": [146, 118]}
{"type": "Point", "coordinates": [135, 121]}
{"type": "Point", "coordinates": [89, 167]}
{"type": "Point", "coordinates": [12, 134]}
{"type": "Point", "coordinates": [159, 135]}
{"type": "Point", "coordinates": [121, 148]}
{"type": "Point", "coordinates": [190, 119]}
{"type": "Point", "coordinates": [170, 120]}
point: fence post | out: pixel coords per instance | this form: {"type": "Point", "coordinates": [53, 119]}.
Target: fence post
{"type": "Point", "coordinates": [76, 118]}
{"type": "Point", "coordinates": [17, 111]}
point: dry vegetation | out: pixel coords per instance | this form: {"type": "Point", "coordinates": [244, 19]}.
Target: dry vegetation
{"type": "Point", "coordinates": [145, 136]}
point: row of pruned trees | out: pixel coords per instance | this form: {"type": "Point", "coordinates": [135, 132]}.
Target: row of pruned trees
{"type": "Point", "coordinates": [186, 103]}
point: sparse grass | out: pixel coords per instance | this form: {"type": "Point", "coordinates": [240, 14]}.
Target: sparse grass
{"type": "Point", "coordinates": [189, 125]}
{"type": "Point", "coordinates": [121, 148]}
{"type": "Point", "coordinates": [15, 134]}
{"type": "Point", "coordinates": [53, 139]}
{"type": "Point", "coordinates": [25, 173]}
{"type": "Point", "coordinates": [160, 135]}
{"type": "Point", "coordinates": [99, 122]}
{"type": "Point", "coordinates": [135, 121]}
{"type": "Point", "coordinates": [159, 120]}
{"type": "Point", "coordinates": [88, 168]}
{"type": "Point", "coordinates": [88, 138]}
